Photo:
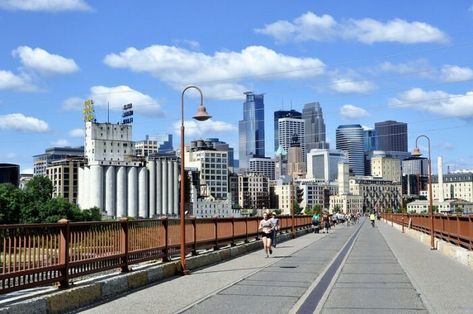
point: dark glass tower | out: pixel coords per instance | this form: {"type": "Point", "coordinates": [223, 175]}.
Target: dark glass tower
{"type": "Point", "coordinates": [314, 127]}
{"type": "Point", "coordinates": [392, 136]}
{"type": "Point", "coordinates": [251, 129]}
{"type": "Point", "coordinates": [279, 115]}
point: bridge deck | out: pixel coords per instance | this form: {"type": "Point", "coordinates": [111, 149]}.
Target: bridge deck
{"type": "Point", "coordinates": [350, 270]}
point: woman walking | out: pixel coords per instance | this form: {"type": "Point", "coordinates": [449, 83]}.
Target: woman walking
{"type": "Point", "coordinates": [266, 226]}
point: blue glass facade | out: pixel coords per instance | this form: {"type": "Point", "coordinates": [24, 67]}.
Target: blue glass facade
{"type": "Point", "coordinates": [251, 129]}
{"type": "Point", "coordinates": [350, 139]}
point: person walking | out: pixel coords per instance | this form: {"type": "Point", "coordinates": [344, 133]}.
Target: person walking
{"type": "Point", "coordinates": [372, 218]}
{"type": "Point", "coordinates": [326, 222]}
{"type": "Point", "coordinates": [274, 232]}
{"type": "Point", "coordinates": [266, 226]}
{"type": "Point", "coordinates": [316, 222]}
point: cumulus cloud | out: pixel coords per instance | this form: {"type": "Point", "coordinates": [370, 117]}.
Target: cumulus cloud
{"type": "Point", "coordinates": [198, 129]}
{"type": "Point", "coordinates": [11, 81]}
{"type": "Point", "coordinates": [220, 73]}
{"type": "Point", "coordinates": [44, 62]}
{"type": "Point", "coordinates": [454, 73]}
{"type": "Point", "coordinates": [76, 133]}
{"type": "Point", "coordinates": [419, 67]}
{"type": "Point", "coordinates": [61, 142]}
{"type": "Point", "coordinates": [437, 102]}
{"type": "Point", "coordinates": [353, 112]}
{"type": "Point", "coordinates": [311, 27]}
{"type": "Point", "coordinates": [351, 86]}
{"type": "Point", "coordinates": [45, 5]}
{"type": "Point", "coordinates": [116, 97]}
{"type": "Point", "coordinates": [20, 122]}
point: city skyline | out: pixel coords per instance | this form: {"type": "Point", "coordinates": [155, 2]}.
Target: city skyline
{"type": "Point", "coordinates": [54, 58]}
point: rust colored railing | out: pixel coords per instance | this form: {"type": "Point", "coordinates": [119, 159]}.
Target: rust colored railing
{"type": "Point", "coordinates": [455, 229]}
{"type": "Point", "coordinates": [41, 254]}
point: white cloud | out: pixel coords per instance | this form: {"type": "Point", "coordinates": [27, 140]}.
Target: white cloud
{"type": "Point", "coordinates": [11, 81]}
{"type": "Point", "coordinates": [76, 133]}
{"type": "Point", "coordinates": [437, 102]}
{"type": "Point", "coordinates": [220, 72]}
{"type": "Point", "coordinates": [310, 26]}
{"type": "Point", "coordinates": [454, 73]}
{"type": "Point", "coordinates": [116, 96]}
{"type": "Point", "coordinates": [45, 5]}
{"type": "Point", "coordinates": [420, 67]}
{"type": "Point", "coordinates": [351, 86]}
{"type": "Point", "coordinates": [73, 104]}
{"type": "Point", "coordinates": [20, 122]}
{"type": "Point", "coordinates": [61, 142]}
{"type": "Point", "coordinates": [208, 127]}
{"type": "Point", "coordinates": [121, 95]}
{"type": "Point", "coordinates": [44, 62]}
{"type": "Point", "coordinates": [353, 112]}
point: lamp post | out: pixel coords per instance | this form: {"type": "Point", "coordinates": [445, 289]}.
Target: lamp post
{"type": "Point", "coordinates": [416, 153]}
{"type": "Point", "coordinates": [201, 115]}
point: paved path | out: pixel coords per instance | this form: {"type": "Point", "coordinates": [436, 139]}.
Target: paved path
{"type": "Point", "coordinates": [356, 269]}
{"type": "Point", "coordinates": [445, 285]}
{"type": "Point", "coordinates": [240, 283]}
{"type": "Point", "coordinates": [372, 281]}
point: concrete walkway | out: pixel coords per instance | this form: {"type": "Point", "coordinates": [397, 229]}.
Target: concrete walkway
{"type": "Point", "coordinates": [372, 281]}
{"type": "Point", "coordinates": [247, 284]}
{"type": "Point", "coordinates": [445, 285]}
{"type": "Point", "coordinates": [355, 269]}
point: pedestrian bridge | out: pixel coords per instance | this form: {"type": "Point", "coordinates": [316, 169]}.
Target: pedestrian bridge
{"type": "Point", "coordinates": [352, 269]}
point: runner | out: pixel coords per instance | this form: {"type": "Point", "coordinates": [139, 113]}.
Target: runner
{"type": "Point", "coordinates": [265, 226]}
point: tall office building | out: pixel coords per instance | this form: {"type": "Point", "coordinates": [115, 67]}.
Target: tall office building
{"type": "Point", "coordinates": [264, 166]}
{"type": "Point", "coordinates": [251, 129]}
{"type": "Point", "coordinates": [370, 141]}
{"type": "Point", "coordinates": [392, 135]}
{"type": "Point", "coordinates": [350, 139]}
{"type": "Point", "coordinates": [288, 128]}
{"type": "Point", "coordinates": [322, 164]}
{"type": "Point", "coordinates": [161, 145]}
{"type": "Point", "coordinates": [314, 127]}
{"type": "Point", "coordinates": [279, 115]}
{"type": "Point", "coordinates": [42, 161]}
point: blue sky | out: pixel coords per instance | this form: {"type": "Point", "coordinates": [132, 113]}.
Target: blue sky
{"type": "Point", "coordinates": [364, 61]}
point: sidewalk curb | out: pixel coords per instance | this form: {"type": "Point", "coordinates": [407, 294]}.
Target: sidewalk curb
{"type": "Point", "coordinates": [66, 300]}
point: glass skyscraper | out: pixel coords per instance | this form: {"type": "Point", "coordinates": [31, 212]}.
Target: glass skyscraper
{"type": "Point", "coordinates": [251, 129]}
{"type": "Point", "coordinates": [350, 139]}
{"type": "Point", "coordinates": [314, 127]}
{"type": "Point", "coordinates": [279, 115]}
{"type": "Point", "coordinates": [392, 136]}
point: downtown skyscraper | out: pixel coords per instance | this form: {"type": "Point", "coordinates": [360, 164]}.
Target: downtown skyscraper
{"type": "Point", "coordinates": [279, 115]}
{"type": "Point", "coordinates": [392, 135]}
{"type": "Point", "coordinates": [251, 129]}
{"type": "Point", "coordinates": [350, 139]}
{"type": "Point", "coordinates": [314, 127]}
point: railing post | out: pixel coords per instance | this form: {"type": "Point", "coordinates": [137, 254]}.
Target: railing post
{"type": "Point", "coordinates": [392, 219]}
{"type": "Point", "coordinates": [458, 231]}
{"type": "Point", "coordinates": [216, 233]}
{"type": "Point", "coordinates": [246, 230]}
{"type": "Point", "coordinates": [194, 246]}
{"type": "Point", "coordinates": [124, 243]}
{"type": "Point", "coordinates": [402, 222]}
{"type": "Point", "coordinates": [166, 239]}
{"type": "Point", "coordinates": [470, 228]}
{"type": "Point", "coordinates": [233, 231]}
{"type": "Point", "coordinates": [64, 252]}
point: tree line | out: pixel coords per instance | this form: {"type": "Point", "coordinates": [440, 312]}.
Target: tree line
{"type": "Point", "coordinates": [35, 204]}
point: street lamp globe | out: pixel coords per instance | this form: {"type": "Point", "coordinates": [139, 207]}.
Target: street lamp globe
{"type": "Point", "coordinates": [202, 114]}
{"type": "Point", "coordinates": [416, 152]}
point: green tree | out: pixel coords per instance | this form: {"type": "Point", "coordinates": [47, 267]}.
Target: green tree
{"type": "Point", "coordinates": [458, 210]}
{"type": "Point", "coordinates": [336, 209]}
{"type": "Point", "coordinates": [11, 203]}
{"type": "Point", "coordinates": [297, 209]}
